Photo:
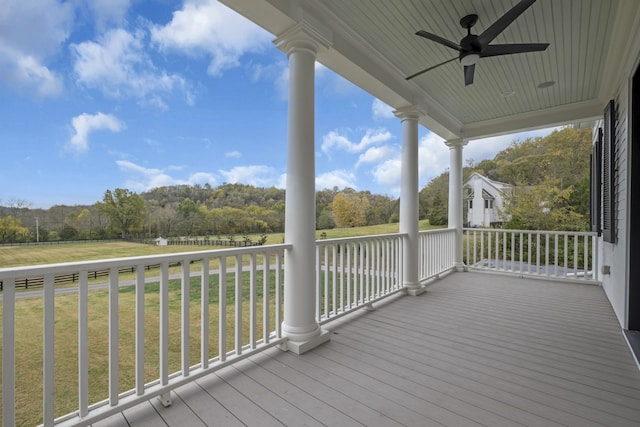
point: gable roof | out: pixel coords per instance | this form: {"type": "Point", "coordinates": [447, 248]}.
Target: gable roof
{"type": "Point", "coordinates": [498, 186]}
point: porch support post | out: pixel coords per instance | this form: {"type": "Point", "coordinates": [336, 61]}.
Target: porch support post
{"type": "Point", "coordinates": [455, 197]}
{"type": "Point", "coordinates": [409, 198]}
{"type": "Point", "coordinates": [301, 45]}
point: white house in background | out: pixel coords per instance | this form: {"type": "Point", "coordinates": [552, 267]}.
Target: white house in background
{"type": "Point", "coordinates": [485, 200]}
{"type": "Point", "coordinates": [161, 241]}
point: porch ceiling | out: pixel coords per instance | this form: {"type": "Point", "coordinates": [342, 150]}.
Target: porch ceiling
{"type": "Point", "coordinates": [593, 43]}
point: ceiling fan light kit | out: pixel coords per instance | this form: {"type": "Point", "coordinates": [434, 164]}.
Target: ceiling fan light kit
{"type": "Point", "coordinates": [472, 47]}
{"type": "Point", "coordinates": [469, 59]}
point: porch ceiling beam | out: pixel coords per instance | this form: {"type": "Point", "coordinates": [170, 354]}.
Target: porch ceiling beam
{"type": "Point", "coordinates": [539, 119]}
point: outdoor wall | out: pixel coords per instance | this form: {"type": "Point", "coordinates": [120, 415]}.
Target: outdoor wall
{"type": "Point", "coordinates": [615, 255]}
{"type": "Point", "coordinates": [479, 216]}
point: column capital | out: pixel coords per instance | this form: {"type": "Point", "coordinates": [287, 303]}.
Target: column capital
{"type": "Point", "coordinates": [301, 37]}
{"type": "Point", "coordinates": [455, 143]}
{"type": "Point", "coordinates": [410, 112]}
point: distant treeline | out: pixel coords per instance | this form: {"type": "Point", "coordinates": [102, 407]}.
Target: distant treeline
{"type": "Point", "coordinates": [187, 210]}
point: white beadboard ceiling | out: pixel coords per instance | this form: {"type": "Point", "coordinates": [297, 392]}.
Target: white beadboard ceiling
{"type": "Point", "coordinates": [593, 43]}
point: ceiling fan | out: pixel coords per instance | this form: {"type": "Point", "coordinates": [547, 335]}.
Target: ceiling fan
{"type": "Point", "coordinates": [473, 47]}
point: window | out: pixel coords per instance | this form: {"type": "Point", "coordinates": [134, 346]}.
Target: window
{"type": "Point", "coordinates": [488, 204]}
{"type": "Point", "coordinates": [470, 204]}
{"type": "Point", "coordinates": [608, 173]}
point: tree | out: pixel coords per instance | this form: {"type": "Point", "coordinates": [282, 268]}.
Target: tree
{"type": "Point", "coordinates": [187, 209]}
{"type": "Point", "coordinates": [324, 219]}
{"type": "Point", "coordinates": [434, 200]}
{"type": "Point", "coordinates": [543, 207]}
{"type": "Point", "coordinates": [349, 209]}
{"type": "Point", "coordinates": [126, 210]}
{"type": "Point", "coordinates": [10, 227]}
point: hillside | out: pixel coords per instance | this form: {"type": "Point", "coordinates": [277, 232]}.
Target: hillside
{"type": "Point", "coordinates": [550, 172]}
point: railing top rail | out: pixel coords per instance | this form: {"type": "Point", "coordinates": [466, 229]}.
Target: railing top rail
{"type": "Point", "coordinates": [437, 231]}
{"type": "Point", "coordinates": [507, 230]}
{"type": "Point", "coordinates": [360, 238]}
{"type": "Point", "coordinates": [60, 268]}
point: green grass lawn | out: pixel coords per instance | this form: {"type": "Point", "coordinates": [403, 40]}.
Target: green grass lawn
{"type": "Point", "coordinates": [12, 256]}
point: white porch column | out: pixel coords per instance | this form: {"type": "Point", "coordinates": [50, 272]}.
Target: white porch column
{"type": "Point", "coordinates": [409, 198]}
{"type": "Point", "coordinates": [301, 45]}
{"type": "Point", "coordinates": [455, 197]}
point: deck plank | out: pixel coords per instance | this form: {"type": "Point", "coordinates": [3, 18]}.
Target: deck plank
{"type": "Point", "coordinates": [178, 413]}
{"type": "Point", "coordinates": [235, 402]}
{"type": "Point", "coordinates": [537, 381]}
{"type": "Point", "coordinates": [117, 420]}
{"type": "Point", "coordinates": [475, 349]}
{"type": "Point", "coordinates": [298, 397]}
{"type": "Point", "coordinates": [472, 376]}
{"type": "Point", "coordinates": [375, 402]}
{"type": "Point", "coordinates": [417, 397]}
{"type": "Point", "coordinates": [329, 396]}
{"type": "Point", "coordinates": [240, 379]}
{"type": "Point", "coordinates": [208, 408]}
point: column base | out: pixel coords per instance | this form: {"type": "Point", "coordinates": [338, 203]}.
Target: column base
{"type": "Point", "coordinates": [299, 347]}
{"type": "Point", "coordinates": [414, 291]}
{"type": "Point", "coordinates": [460, 266]}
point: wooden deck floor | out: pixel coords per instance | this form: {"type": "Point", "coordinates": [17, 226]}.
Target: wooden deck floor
{"type": "Point", "coordinates": [476, 349]}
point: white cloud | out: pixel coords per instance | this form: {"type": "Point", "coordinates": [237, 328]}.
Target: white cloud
{"type": "Point", "coordinates": [376, 154]}
{"type": "Point", "coordinates": [282, 82]}
{"type": "Point", "coordinates": [256, 175]}
{"type": "Point", "coordinates": [336, 178]}
{"type": "Point", "coordinates": [37, 28]}
{"type": "Point", "coordinates": [24, 51]}
{"type": "Point", "coordinates": [145, 179]}
{"type": "Point", "coordinates": [85, 123]}
{"type": "Point", "coordinates": [381, 110]}
{"type": "Point", "coordinates": [202, 178]}
{"type": "Point", "coordinates": [26, 72]}
{"type": "Point", "coordinates": [209, 28]}
{"type": "Point", "coordinates": [233, 154]}
{"type": "Point", "coordinates": [277, 72]}
{"type": "Point", "coordinates": [118, 66]}
{"type": "Point", "coordinates": [433, 158]}
{"type": "Point", "coordinates": [108, 12]}
{"type": "Point", "coordinates": [334, 140]}
{"type": "Point", "coordinates": [387, 174]}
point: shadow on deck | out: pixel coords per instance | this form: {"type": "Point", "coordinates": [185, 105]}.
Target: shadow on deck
{"type": "Point", "coordinates": [476, 349]}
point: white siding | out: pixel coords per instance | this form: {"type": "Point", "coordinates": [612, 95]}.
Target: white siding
{"type": "Point", "coordinates": [479, 216]}
{"type": "Point", "coordinates": [615, 255]}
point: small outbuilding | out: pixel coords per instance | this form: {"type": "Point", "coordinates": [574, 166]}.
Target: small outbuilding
{"type": "Point", "coordinates": [161, 241]}
{"type": "Point", "coordinates": [485, 200]}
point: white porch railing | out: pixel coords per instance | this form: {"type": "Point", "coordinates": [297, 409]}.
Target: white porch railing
{"type": "Point", "coordinates": [436, 252]}
{"type": "Point", "coordinates": [216, 307]}
{"type": "Point", "coordinates": [566, 255]}
{"type": "Point", "coordinates": [355, 272]}
{"type": "Point", "coordinates": [165, 324]}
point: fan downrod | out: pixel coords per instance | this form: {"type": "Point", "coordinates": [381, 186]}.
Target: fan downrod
{"type": "Point", "coordinates": [469, 21]}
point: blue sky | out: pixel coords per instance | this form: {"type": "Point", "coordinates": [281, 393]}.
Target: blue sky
{"type": "Point", "coordinates": [138, 94]}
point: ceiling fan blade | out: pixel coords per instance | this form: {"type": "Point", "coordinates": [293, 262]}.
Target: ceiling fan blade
{"type": "Point", "coordinates": [508, 49]}
{"type": "Point", "coordinates": [503, 22]}
{"type": "Point", "coordinates": [469, 71]}
{"type": "Point", "coordinates": [438, 39]}
{"type": "Point", "coordinates": [429, 69]}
